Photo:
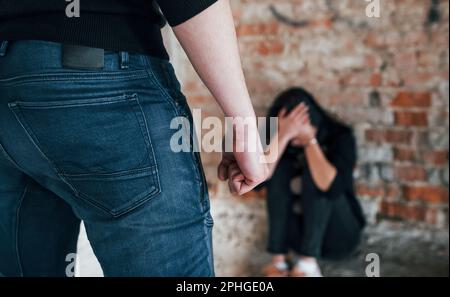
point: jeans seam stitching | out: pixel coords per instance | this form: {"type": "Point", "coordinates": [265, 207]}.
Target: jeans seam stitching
{"type": "Point", "coordinates": [71, 103]}
{"type": "Point", "coordinates": [195, 164]}
{"type": "Point", "coordinates": [9, 158]}
{"type": "Point", "coordinates": [118, 213]}
{"type": "Point", "coordinates": [38, 147]}
{"type": "Point", "coordinates": [3, 47]}
{"type": "Point", "coordinates": [168, 98]}
{"type": "Point", "coordinates": [24, 80]}
{"type": "Point", "coordinates": [165, 94]}
{"type": "Point", "coordinates": [208, 230]}
{"type": "Point", "coordinates": [143, 125]}
{"type": "Point", "coordinates": [140, 73]}
{"type": "Point", "coordinates": [112, 175]}
{"type": "Point", "coordinates": [18, 106]}
{"type": "Point", "coordinates": [17, 250]}
{"type": "Point", "coordinates": [62, 176]}
{"type": "Point", "coordinates": [151, 149]}
{"type": "Point", "coordinates": [34, 139]}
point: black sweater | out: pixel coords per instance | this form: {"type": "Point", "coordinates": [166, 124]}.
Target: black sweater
{"type": "Point", "coordinates": [118, 25]}
{"type": "Point", "coordinates": [341, 151]}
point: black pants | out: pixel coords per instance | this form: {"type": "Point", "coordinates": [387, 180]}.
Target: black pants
{"type": "Point", "coordinates": [326, 228]}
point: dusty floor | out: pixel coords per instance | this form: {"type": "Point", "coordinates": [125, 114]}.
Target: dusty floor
{"type": "Point", "coordinates": [403, 252]}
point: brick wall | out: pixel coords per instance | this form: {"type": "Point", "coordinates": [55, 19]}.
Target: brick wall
{"type": "Point", "coordinates": [388, 77]}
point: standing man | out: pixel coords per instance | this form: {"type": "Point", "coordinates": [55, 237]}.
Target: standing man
{"type": "Point", "coordinates": [86, 102]}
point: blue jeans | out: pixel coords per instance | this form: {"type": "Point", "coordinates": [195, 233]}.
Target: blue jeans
{"type": "Point", "coordinates": [94, 145]}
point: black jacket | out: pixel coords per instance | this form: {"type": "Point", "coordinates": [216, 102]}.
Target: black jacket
{"type": "Point", "coordinates": [341, 151]}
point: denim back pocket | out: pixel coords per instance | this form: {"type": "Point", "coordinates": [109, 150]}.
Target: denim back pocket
{"type": "Point", "coordinates": [100, 147]}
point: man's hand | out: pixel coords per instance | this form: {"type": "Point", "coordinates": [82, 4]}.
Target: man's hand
{"type": "Point", "coordinates": [244, 171]}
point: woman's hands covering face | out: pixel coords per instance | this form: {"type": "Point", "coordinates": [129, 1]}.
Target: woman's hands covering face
{"type": "Point", "coordinates": [296, 126]}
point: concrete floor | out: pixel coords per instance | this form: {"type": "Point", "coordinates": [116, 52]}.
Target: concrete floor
{"type": "Point", "coordinates": [403, 252]}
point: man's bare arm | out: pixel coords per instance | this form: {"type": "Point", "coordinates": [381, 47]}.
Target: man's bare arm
{"type": "Point", "coordinates": [210, 42]}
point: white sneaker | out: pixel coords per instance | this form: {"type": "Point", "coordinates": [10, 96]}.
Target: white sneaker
{"type": "Point", "coordinates": [307, 268]}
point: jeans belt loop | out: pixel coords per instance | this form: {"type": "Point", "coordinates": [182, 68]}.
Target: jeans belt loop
{"type": "Point", "coordinates": [124, 60]}
{"type": "Point", "coordinates": [3, 48]}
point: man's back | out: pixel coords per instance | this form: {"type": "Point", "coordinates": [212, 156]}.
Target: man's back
{"type": "Point", "coordinates": [127, 25]}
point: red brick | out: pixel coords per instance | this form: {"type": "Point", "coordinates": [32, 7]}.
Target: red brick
{"type": "Point", "coordinates": [392, 192]}
{"type": "Point", "coordinates": [390, 209]}
{"type": "Point", "coordinates": [429, 59]}
{"type": "Point", "coordinates": [374, 40]}
{"type": "Point", "coordinates": [389, 136]}
{"type": "Point", "coordinates": [321, 23]}
{"type": "Point", "coordinates": [410, 173]}
{"type": "Point", "coordinates": [405, 60]}
{"type": "Point", "coordinates": [413, 213]}
{"type": "Point", "coordinates": [268, 48]}
{"type": "Point", "coordinates": [376, 80]}
{"type": "Point", "coordinates": [409, 118]}
{"type": "Point", "coordinates": [348, 98]}
{"type": "Point", "coordinates": [428, 194]}
{"type": "Point", "coordinates": [414, 79]}
{"type": "Point", "coordinates": [431, 216]}
{"type": "Point", "coordinates": [374, 135]}
{"type": "Point", "coordinates": [404, 155]}
{"type": "Point", "coordinates": [257, 29]}
{"type": "Point", "coordinates": [436, 158]}
{"type": "Point", "coordinates": [403, 211]}
{"type": "Point", "coordinates": [408, 99]}
{"type": "Point", "coordinates": [373, 61]}
{"type": "Point", "coordinates": [192, 87]}
{"type": "Point", "coordinates": [199, 99]}
{"type": "Point", "coordinates": [398, 136]}
{"type": "Point", "coordinates": [361, 79]}
{"type": "Point", "coordinates": [370, 191]}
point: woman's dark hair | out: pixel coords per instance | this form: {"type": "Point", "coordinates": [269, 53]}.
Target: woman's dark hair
{"type": "Point", "coordinates": [327, 125]}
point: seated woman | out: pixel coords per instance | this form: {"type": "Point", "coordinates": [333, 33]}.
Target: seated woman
{"type": "Point", "coordinates": [312, 206]}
